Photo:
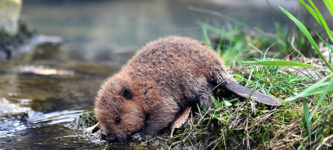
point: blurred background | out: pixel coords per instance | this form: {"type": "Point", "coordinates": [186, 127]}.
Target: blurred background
{"type": "Point", "coordinates": [99, 27]}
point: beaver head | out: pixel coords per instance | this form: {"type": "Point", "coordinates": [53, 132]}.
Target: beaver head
{"type": "Point", "coordinates": [119, 110]}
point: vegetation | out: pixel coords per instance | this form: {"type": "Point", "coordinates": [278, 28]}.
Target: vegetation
{"type": "Point", "coordinates": [305, 118]}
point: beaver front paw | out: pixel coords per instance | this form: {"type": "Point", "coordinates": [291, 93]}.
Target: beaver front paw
{"type": "Point", "coordinates": [140, 136]}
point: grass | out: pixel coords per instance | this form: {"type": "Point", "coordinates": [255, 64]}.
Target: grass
{"type": "Point", "coordinates": [241, 124]}
{"type": "Point", "coordinates": [309, 102]}
{"type": "Point", "coordinates": [304, 121]}
{"type": "Point", "coordinates": [278, 64]}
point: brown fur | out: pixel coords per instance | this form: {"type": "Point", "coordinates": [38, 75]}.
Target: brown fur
{"type": "Point", "coordinates": [163, 77]}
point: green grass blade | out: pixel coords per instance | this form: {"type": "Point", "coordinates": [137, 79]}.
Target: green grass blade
{"type": "Point", "coordinates": [204, 30]}
{"type": "Point", "coordinates": [329, 47]}
{"type": "Point", "coordinates": [216, 102]}
{"type": "Point", "coordinates": [321, 20]}
{"type": "Point", "coordinates": [329, 5]}
{"type": "Point", "coordinates": [313, 13]}
{"type": "Point", "coordinates": [308, 36]}
{"type": "Point", "coordinates": [310, 90]}
{"type": "Point", "coordinates": [251, 45]}
{"type": "Point", "coordinates": [317, 15]}
{"type": "Point", "coordinates": [319, 90]}
{"type": "Point", "coordinates": [326, 44]}
{"type": "Point", "coordinates": [307, 119]}
{"type": "Point", "coordinates": [327, 89]}
{"type": "Point", "coordinates": [278, 63]}
{"type": "Point", "coordinates": [327, 111]}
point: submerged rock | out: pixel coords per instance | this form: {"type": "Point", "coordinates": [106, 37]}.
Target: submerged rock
{"type": "Point", "coordinates": [9, 108]}
{"type": "Point", "coordinates": [11, 44]}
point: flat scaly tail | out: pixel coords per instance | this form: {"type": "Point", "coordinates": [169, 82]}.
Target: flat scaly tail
{"type": "Point", "coordinates": [246, 93]}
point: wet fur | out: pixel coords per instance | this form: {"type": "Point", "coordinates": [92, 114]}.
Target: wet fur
{"type": "Point", "coordinates": [163, 78]}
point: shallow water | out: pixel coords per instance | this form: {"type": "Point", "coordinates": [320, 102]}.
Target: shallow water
{"type": "Point", "coordinates": [43, 91]}
{"type": "Point", "coordinates": [41, 96]}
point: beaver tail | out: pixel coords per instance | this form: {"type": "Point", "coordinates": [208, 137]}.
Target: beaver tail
{"type": "Point", "coordinates": [257, 96]}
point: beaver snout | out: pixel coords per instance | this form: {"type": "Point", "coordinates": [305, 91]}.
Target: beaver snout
{"type": "Point", "coordinates": [108, 137]}
{"type": "Point", "coordinates": [112, 138]}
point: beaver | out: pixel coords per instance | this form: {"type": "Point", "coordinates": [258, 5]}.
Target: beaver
{"type": "Point", "coordinates": [163, 78]}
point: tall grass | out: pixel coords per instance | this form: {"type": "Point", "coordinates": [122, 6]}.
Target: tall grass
{"type": "Point", "coordinates": [232, 42]}
{"type": "Point", "coordinates": [317, 115]}
{"type": "Point", "coordinates": [302, 120]}
{"type": "Point", "coordinates": [316, 98]}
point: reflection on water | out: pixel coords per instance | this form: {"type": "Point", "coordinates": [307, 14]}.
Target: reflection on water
{"type": "Point", "coordinates": [42, 70]}
{"type": "Point", "coordinates": [53, 117]}
{"type": "Point", "coordinates": [93, 28]}
{"type": "Point", "coordinates": [42, 91]}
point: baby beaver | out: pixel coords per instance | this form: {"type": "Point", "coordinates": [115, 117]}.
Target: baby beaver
{"type": "Point", "coordinates": [162, 79]}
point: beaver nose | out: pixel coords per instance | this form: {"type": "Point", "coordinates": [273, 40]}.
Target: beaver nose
{"type": "Point", "coordinates": [108, 137]}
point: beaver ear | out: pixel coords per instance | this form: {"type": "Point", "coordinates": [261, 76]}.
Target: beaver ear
{"type": "Point", "coordinates": [126, 93]}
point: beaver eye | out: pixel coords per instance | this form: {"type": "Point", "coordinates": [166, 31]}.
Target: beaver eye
{"type": "Point", "coordinates": [126, 93]}
{"type": "Point", "coordinates": [117, 120]}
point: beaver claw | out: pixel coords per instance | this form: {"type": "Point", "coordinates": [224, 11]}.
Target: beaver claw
{"type": "Point", "coordinates": [139, 136]}
{"type": "Point", "coordinates": [136, 136]}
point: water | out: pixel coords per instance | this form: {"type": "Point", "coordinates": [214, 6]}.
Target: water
{"type": "Point", "coordinates": [92, 29]}
{"type": "Point", "coordinates": [40, 96]}
{"type": "Point", "coordinates": [43, 91]}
